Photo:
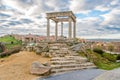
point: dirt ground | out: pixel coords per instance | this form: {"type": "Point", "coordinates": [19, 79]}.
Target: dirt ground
{"type": "Point", "coordinates": [17, 66]}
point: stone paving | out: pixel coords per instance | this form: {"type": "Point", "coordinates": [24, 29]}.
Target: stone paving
{"type": "Point", "coordinates": [86, 74]}
{"type": "Point", "coordinates": [110, 75]}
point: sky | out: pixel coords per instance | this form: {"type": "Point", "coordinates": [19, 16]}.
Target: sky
{"type": "Point", "coordinates": [95, 18]}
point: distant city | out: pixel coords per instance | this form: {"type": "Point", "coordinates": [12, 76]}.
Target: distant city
{"type": "Point", "coordinates": [105, 40]}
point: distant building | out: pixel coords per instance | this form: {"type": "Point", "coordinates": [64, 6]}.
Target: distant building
{"type": "Point", "coordinates": [33, 38]}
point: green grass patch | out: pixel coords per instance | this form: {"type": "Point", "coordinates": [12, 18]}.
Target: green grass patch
{"type": "Point", "coordinates": [111, 57]}
{"type": "Point", "coordinates": [104, 61]}
{"type": "Point", "coordinates": [10, 42]}
{"type": "Point", "coordinates": [107, 65]}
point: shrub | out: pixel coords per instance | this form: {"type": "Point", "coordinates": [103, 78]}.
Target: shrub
{"type": "Point", "coordinates": [1, 50]}
{"type": "Point", "coordinates": [98, 50]}
{"type": "Point", "coordinates": [12, 42]}
{"type": "Point", "coordinates": [118, 57]}
{"type": "Point", "coordinates": [110, 57]}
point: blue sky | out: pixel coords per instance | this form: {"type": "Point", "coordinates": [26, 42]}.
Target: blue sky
{"type": "Point", "coordinates": [95, 18]}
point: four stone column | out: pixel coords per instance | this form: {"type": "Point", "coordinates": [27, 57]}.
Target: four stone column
{"type": "Point", "coordinates": [61, 28]}
{"type": "Point", "coordinates": [70, 29]}
{"type": "Point", "coordinates": [48, 29]}
{"type": "Point", "coordinates": [74, 30]}
{"type": "Point", "coordinates": [56, 29]}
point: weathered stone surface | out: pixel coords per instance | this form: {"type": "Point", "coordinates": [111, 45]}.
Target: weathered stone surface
{"type": "Point", "coordinates": [29, 48]}
{"type": "Point", "coordinates": [54, 48]}
{"type": "Point", "coordinates": [43, 54]}
{"type": "Point", "coordinates": [110, 75]}
{"type": "Point", "coordinates": [2, 47]}
{"type": "Point", "coordinates": [45, 48]}
{"type": "Point", "coordinates": [41, 48]}
{"type": "Point", "coordinates": [39, 69]}
{"type": "Point", "coordinates": [9, 52]}
{"type": "Point", "coordinates": [38, 51]}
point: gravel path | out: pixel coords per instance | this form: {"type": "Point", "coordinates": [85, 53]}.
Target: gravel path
{"type": "Point", "coordinates": [110, 75]}
{"type": "Point", "coordinates": [87, 74]}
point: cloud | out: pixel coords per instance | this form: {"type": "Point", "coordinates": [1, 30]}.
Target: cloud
{"type": "Point", "coordinates": [112, 17]}
{"type": "Point", "coordinates": [94, 18]}
{"type": "Point", "coordinates": [85, 6]}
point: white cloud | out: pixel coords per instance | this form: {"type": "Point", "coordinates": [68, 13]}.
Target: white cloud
{"type": "Point", "coordinates": [85, 6]}
{"type": "Point", "coordinates": [102, 8]}
{"type": "Point", "coordinates": [87, 26]}
{"type": "Point", "coordinates": [77, 5]}
{"type": "Point", "coordinates": [115, 2]}
{"type": "Point", "coordinates": [111, 17]}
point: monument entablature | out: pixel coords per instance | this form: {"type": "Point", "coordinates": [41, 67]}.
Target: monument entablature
{"type": "Point", "coordinates": [66, 16]}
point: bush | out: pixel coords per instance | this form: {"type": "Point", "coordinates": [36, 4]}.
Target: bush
{"type": "Point", "coordinates": [1, 50]}
{"type": "Point", "coordinates": [110, 57]}
{"type": "Point", "coordinates": [98, 50]}
{"type": "Point", "coordinates": [118, 57]}
{"type": "Point", "coordinates": [12, 42]}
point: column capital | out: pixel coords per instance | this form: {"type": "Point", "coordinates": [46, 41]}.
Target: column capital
{"type": "Point", "coordinates": [74, 21]}
{"type": "Point", "coordinates": [56, 21]}
{"type": "Point", "coordinates": [47, 18]}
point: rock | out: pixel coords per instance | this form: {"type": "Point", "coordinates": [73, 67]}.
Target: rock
{"type": "Point", "coordinates": [54, 48]}
{"type": "Point", "coordinates": [29, 48]}
{"type": "Point", "coordinates": [47, 54]}
{"type": "Point", "coordinates": [46, 64]}
{"type": "Point", "coordinates": [43, 54]}
{"type": "Point", "coordinates": [2, 60]}
{"type": "Point", "coordinates": [41, 48]}
{"type": "Point", "coordinates": [2, 47]}
{"type": "Point", "coordinates": [39, 69]}
{"type": "Point", "coordinates": [45, 48]}
{"type": "Point", "coordinates": [38, 51]}
{"type": "Point", "coordinates": [11, 51]}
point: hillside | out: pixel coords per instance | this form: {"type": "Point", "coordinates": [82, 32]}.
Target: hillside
{"type": "Point", "coordinates": [104, 61]}
{"type": "Point", "coordinates": [10, 41]}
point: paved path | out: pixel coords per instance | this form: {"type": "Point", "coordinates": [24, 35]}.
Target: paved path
{"type": "Point", "coordinates": [110, 75]}
{"type": "Point", "coordinates": [87, 74]}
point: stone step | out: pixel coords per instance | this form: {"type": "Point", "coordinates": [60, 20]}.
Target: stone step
{"type": "Point", "coordinates": [71, 69]}
{"type": "Point", "coordinates": [58, 45]}
{"type": "Point", "coordinates": [70, 58]}
{"type": "Point", "coordinates": [72, 65]}
{"type": "Point", "coordinates": [63, 62]}
{"type": "Point", "coordinates": [60, 58]}
{"type": "Point", "coordinates": [58, 55]}
{"type": "Point", "coordinates": [73, 54]}
{"type": "Point", "coordinates": [75, 57]}
{"type": "Point", "coordinates": [54, 48]}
